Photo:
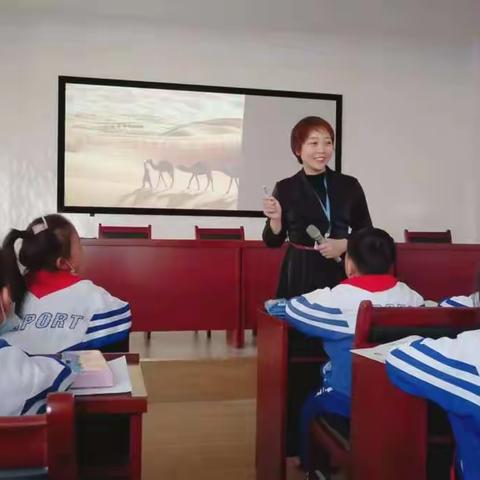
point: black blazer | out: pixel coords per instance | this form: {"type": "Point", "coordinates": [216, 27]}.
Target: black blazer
{"type": "Point", "coordinates": [301, 207]}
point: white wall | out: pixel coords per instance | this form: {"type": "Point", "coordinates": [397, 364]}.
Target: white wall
{"type": "Point", "coordinates": [409, 73]}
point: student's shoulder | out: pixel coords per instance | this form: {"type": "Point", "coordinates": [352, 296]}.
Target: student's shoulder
{"type": "Point", "coordinates": [403, 287]}
{"type": "Point", "coordinates": [332, 298]}
{"type": "Point", "coordinates": [96, 293]}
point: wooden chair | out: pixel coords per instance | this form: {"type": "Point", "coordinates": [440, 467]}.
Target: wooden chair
{"type": "Point", "coordinates": [428, 237]}
{"type": "Point", "coordinates": [335, 452]}
{"type": "Point", "coordinates": [145, 233]}
{"type": "Point", "coordinates": [219, 233]}
{"type": "Point", "coordinates": [40, 446]}
{"type": "Point", "coordinates": [105, 231]}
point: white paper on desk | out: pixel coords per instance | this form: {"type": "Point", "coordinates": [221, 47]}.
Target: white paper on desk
{"type": "Point", "coordinates": [121, 380]}
{"type": "Point", "coordinates": [380, 352]}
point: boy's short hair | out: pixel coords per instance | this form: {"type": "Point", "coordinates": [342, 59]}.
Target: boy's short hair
{"type": "Point", "coordinates": [372, 250]}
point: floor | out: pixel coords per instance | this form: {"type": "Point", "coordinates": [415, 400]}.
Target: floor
{"type": "Point", "coordinates": [200, 422]}
{"type": "Point", "coordinates": [201, 415]}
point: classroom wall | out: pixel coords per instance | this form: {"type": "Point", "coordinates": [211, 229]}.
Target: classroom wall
{"type": "Point", "coordinates": [409, 73]}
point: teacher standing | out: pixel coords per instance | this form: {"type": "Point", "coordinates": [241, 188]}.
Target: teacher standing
{"type": "Point", "coordinates": [335, 204]}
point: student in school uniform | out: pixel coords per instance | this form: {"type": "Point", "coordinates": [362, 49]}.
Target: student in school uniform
{"type": "Point", "coordinates": [26, 380]}
{"type": "Point", "coordinates": [331, 313]}
{"type": "Point", "coordinates": [447, 372]}
{"type": "Point", "coordinates": [60, 310]}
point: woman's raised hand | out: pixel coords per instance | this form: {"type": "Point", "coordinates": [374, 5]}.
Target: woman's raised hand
{"type": "Point", "coordinates": [272, 208]}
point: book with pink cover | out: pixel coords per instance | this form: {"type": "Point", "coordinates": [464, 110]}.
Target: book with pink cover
{"type": "Point", "coordinates": [90, 367]}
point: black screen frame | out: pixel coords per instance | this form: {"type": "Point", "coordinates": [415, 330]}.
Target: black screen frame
{"type": "Point", "coordinates": [92, 210]}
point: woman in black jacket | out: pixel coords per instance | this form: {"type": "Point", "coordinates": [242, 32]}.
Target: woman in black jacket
{"type": "Point", "coordinates": [335, 204]}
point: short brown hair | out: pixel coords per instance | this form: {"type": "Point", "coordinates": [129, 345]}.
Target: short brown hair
{"type": "Point", "coordinates": [302, 130]}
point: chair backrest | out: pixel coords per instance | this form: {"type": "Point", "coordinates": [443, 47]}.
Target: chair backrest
{"type": "Point", "coordinates": [219, 233]}
{"type": "Point", "coordinates": [42, 441]}
{"type": "Point", "coordinates": [428, 237]}
{"type": "Point", "coordinates": [105, 231]}
{"type": "Point", "coordinates": [377, 325]}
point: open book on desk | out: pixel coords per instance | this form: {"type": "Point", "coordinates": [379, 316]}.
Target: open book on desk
{"type": "Point", "coordinates": [380, 352]}
{"type": "Point", "coordinates": [121, 380]}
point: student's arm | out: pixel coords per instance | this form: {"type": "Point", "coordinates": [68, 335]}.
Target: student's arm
{"type": "Point", "coordinates": [110, 323]}
{"type": "Point", "coordinates": [461, 301]}
{"type": "Point", "coordinates": [431, 369]}
{"type": "Point", "coordinates": [29, 379]}
{"type": "Point", "coordinates": [312, 314]}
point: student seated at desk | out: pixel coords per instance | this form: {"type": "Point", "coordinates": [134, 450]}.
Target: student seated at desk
{"type": "Point", "coordinates": [58, 310]}
{"type": "Point", "coordinates": [446, 371]}
{"type": "Point", "coordinates": [25, 380]}
{"type": "Point", "coordinates": [331, 314]}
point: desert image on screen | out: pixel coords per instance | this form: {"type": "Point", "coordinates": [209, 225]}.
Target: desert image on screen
{"type": "Point", "coordinates": [152, 148]}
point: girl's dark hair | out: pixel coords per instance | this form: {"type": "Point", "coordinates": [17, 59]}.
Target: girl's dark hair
{"type": "Point", "coordinates": [372, 250]}
{"type": "Point", "coordinates": [10, 278]}
{"type": "Point", "coordinates": [44, 241]}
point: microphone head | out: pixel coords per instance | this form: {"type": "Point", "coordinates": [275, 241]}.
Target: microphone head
{"type": "Point", "coordinates": [314, 232]}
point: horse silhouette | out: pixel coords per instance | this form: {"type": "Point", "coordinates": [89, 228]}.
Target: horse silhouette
{"type": "Point", "coordinates": [161, 166]}
{"type": "Point", "coordinates": [196, 170]}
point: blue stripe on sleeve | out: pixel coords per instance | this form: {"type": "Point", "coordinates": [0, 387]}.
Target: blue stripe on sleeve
{"type": "Point", "coordinates": [458, 382]}
{"type": "Point", "coordinates": [111, 313]}
{"type": "Point", "coordinates": [449, 401]}
{"type": "Point", "coordinates": [317, 306]}
{"type": "Point", "coordinates": [327, 321]}
{"type": "Point", "coordinates": [318, 330]}
{"type": "Point", "coordinates": [101, 341]}
{"type": "Point", "coordinates": [52, 388]}
{"type": "Point", "coordinates": [453, 303]}
{"type": "Point", "coordinates": [96, 328]}
{"type": "Point", "coordinates": [4, 343]}
{"type": "Point", "coordinates": [430, 352]}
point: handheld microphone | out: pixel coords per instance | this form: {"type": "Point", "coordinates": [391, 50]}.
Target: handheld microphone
{"type": "Point", "coordinates": [315, 234]}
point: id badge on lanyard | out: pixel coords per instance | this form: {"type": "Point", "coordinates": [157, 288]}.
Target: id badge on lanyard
{"type": "Point", "coordinates": [326, 206]}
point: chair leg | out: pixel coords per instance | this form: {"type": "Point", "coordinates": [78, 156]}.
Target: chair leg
{"type": "Point", "coordinates": [209, 334]}
{"type": "Point", "coordinates": [148, 335]}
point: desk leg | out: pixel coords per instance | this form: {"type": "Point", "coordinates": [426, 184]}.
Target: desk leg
{"type": "Point", "coordinates": [236, 337]}
{"type": "Point", "coordinates": [271, 398]}
{"type": "Point", "coordinates": [136, 447]}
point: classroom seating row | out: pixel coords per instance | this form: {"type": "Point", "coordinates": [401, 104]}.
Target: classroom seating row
{"type": "Point", "coordinates": [88, 437]}
{"type": "Point", "coordinates": [181, 285]}
{"type": "Point", "coordinates": [389, 435]}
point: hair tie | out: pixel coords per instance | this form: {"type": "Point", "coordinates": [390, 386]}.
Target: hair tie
{"type": "Point", "coordinates": [40, 227]}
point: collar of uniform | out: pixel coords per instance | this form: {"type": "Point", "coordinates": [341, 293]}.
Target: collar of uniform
{"type": "Point", "coordinates": [372, 283]}
{"type": "Point", "coordinates": [43, 282]}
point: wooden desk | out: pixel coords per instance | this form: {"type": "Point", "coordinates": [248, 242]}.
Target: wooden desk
{"type": "Point", "coordinates": [388, 427]}
{"type": "Point", "coordinates": [272, 369]}
{"type": "Point", "coordinates": [260, 273]}
{"type": "Point", "coordinates": [171, 285]}
{"type": "Point", "coordinates": [274, 358]}
{"type": "Point", "coordinates": [109, 430]}
{"type": "Point", "coordinates": [178, 285]}
{"type": "Point", "coordinates": [438, 271]}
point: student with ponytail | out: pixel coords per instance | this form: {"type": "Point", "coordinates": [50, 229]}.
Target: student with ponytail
{"type": "Point", "coordinates": [26, 380]}
{"type": "Point", "coordinates": [58, 310]}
